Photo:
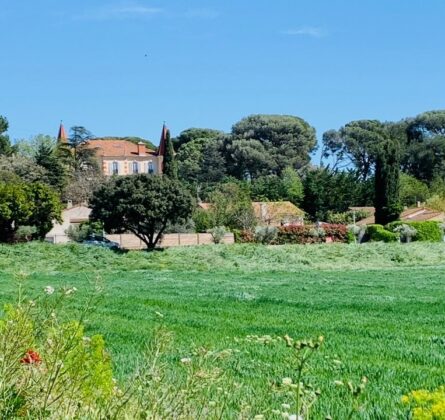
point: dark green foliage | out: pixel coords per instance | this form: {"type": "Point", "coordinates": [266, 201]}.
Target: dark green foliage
{"type": "Point", "coordinates": [84, 230]}
{"type": "Point", "coordinates": [356, 143]}
{"type": "Point", "coordinates": [142, 204]}
{"type": "Point", "coordinates": [46, 208]}
{"type": "Point", "coordinates": [263, 144]}
{"type": "Point", "coordinates": [170, 166]}
{"type": "Point", "coordinates": [78, 157]}
{"type": "Point", "coordinates": [326, 191]}
{"type": "Point", "coordinates": [231, 206]}
{"type": "Point", "coordinates": [203, 220]}
{"type": "Point", "coordinates": [5, 144]}
{"type": "Point", "coordinates": [286, 187]}
{"type": "Point", "coordinates": [377, 233]}
{"type": "Point", "coordinates": [201, 161]}
{"type": "Point", "coordinates": [424, 155]}
{"type": "Point", "coordinates": [193, 134]}
{"type": "Point", "coordinates": [412, 190]}
{"type": "Point", "coordinates": [47, 158]}
{"type": "Point", "coordinates": [22, 204]}
{"type": "Point", "coordinates": [428, 231]}
{"type": "Point", "coordinates": [387, 182]}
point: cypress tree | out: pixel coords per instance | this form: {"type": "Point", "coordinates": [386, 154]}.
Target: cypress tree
{"type": "Point", "coordinates": [387, 182]}
{"type": "Point", "coordinates": [170, 167]}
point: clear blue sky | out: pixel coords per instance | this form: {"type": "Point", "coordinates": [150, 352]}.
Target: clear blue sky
{"type": "Point", "coordinates": [210, 63]}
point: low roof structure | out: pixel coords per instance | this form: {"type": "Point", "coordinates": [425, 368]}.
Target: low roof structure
{"type": "Point", "coordinates": [417, 214]}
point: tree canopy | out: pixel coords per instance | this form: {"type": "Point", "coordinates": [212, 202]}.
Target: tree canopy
{"type": "Point", "coordinates": [142, 204]}
{"type": "Point", "coordinates": [264, 144]}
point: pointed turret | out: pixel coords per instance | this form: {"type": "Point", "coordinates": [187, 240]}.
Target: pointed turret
{"type": "Point", "coordinates": [61, 136]}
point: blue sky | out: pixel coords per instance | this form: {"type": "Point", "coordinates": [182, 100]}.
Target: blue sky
{"type": "Point", "coordinates": [210, 63]}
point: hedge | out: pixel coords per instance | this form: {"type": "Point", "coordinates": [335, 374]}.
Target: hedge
{"type": "Point", "coordinates": [378, 233]}
{"type": "Point", "coordinates": [428, 231]}
{"type": "Point", "coordinates": [296, 234]}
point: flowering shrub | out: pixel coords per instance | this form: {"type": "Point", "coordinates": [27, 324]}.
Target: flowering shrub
{"type": "Point", "coordinates": [426, 405]}
{"type": "Point", "coordinates": [296, 234]}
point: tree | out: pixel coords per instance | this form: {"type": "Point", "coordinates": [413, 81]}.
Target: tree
{"type": "Point", "coordinates": [355, 144]}
{"type": "Point", "coordinates": [287, 187]}
{"type": "Point", "coordinates": [47, 158]}
{"type": "Point", "coordinates": [192, 134]}
{"type": "Point", "coordinates": [29, 147]}
{"type": "Point", "coordinates": [231, 206]}
{"type": "Point", "coordinates": [23, 204]}
{"type": "Point", "coordinates": [80, 158]}
{"type": "Point", "coordinates": [15, 209]}
{"type": "Point", "coordinates": [46, 208]}
{"type": "Point", "coordinates": [270, 143]}
{"type": "Point", "coordinates": [170, 166]}
{"type": "Point", "coordinates": [387, 182]}
{"type": "Point", "coordinates": [424, 156]}
{"type": "Point", "coordinates": [23, 168]}
{"type": "Point", "coordinates": [201, 161]}
{"type": "Point", "coordinates": [5, 144]}
{"type": "Point", "coordinates": [142, 204]}
{"type": "Point", "coordinates": [412, 190]}
{"type": "Point", "coordinates": [327, 191]}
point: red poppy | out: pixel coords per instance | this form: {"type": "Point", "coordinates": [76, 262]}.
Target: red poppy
{"type": "Point", "coordinates": [31, 357]}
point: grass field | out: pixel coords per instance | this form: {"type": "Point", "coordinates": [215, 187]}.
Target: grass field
{"type": "Point", "coordinates": [380, 308]}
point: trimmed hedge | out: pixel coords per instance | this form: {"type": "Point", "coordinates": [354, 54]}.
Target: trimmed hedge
{"type": "Point", "coordinates": [428, 231]}
{"type": "Point", "coordinates": [377, 233]}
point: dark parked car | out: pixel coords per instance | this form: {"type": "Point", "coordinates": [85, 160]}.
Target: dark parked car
{"type": "Point", "coordinates": [97, 240]}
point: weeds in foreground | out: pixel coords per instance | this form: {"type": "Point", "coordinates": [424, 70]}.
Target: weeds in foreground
{"type": "Point", "coordinates": [50, 369]}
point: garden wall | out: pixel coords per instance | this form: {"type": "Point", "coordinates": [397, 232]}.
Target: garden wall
{"type": "Point", "coordinates": [130, 241]}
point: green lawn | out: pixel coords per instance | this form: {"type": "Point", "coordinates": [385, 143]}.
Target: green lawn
{"type": "Point", "coordinates": [380, 308]}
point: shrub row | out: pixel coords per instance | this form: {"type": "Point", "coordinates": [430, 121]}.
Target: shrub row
{"type": "Point", "coordinates": [295, 234]}
{"type": "Point", "coordinates": [428, 231]}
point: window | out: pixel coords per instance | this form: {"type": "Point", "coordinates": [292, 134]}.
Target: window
{"type": "Point", "coordinates": [135, 168]}
{"type": "Point", "coordinates": [150, 167]}
{"type": "Point", "coordinates": [115, 168]}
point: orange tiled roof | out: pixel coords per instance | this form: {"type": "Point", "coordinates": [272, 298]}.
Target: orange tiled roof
{"type": "Point", "coordinates": [116, 148]}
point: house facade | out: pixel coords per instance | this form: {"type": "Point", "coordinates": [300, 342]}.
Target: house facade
{"type": "Point", "coordinates": [124, 157]}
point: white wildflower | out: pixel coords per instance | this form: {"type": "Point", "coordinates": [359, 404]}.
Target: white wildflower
{"type": "Point", "coordinates": [287, 381]}
{"type": "Point", "coordinates": [159, 314]}
{"type": "Point", "coordinates": [186, 360]}
{"type": "Point", "coordinates": [49, 290]}
{"type": "Point", "coordinates": [285, 406]}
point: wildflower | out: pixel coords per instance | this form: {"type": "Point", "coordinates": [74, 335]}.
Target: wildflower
{"type": "Point", "coordinates": [32, 303]}
{"type": "Point", "coordinates": [70, 291]}
{"type": "Point", "coordinates": [212, 403]}
{"type": "Point", "coordinates": [287, 381]}
{"type": "Point", "coordinates": [159, 314]}
{"type": "Point", "coordinates": [259, 417]}
{"type": "Point", "coordinates": [31, 357]}
{"type": "Point", "coordinates": [285, 406]}
{"type": "Point", "coordinates": [186, 360]}
{"type": "Point", "coordinates": [49, 290]}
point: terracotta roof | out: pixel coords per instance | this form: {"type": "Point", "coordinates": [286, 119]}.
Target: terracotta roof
{"type": "Point", "coordinates": [416, 214]}
{"type": "Point", "coordinates": [117, 148]}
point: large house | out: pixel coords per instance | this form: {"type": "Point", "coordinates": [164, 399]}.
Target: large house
{"type": "Point", "coordinates": [124, 157]}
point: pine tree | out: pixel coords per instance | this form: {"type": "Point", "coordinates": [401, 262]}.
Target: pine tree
{"type": "Point", "coordinates": [48, 159]}
{"type": "Point", "coordinates": [170, 168]}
